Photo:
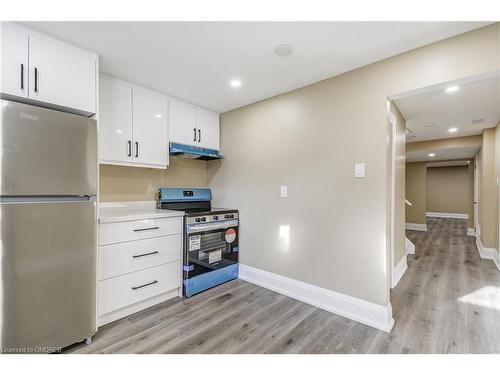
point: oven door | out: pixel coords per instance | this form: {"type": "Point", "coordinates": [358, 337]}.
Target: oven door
{"type": "Point", "coordinates": [210, 247]}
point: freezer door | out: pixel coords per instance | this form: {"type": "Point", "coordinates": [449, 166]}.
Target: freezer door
{"type": "Point", "coordinates": [48, 275]}
{"type": "Point", "coordinates": [46, 152]}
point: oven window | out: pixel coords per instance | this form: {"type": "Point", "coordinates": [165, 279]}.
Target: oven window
{"type": "Point", "coordinates": [212, 250]}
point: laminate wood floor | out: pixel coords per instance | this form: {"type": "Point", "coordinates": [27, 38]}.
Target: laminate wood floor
{"type": "Point", "coordinates": [448, 301]}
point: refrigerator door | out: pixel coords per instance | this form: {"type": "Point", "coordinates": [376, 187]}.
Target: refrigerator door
{"type": "Point", "coordinates": [46, 152]}
{"type": "Point", "coordinates": [47, 274]}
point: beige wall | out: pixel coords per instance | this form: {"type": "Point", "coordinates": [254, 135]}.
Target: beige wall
{"type": "Point", "coordinates": [416, 192]}
{"type": "Point", "coordinates": [450, 190]}
{"type": "Point", "coordinates": [400, 164]}
{"type": "Point", "coordinates": [118, 183]}
{"type": "Point", "coordinates": [309, 139]}
{"type": "Point", "coordinates": [488, 193]}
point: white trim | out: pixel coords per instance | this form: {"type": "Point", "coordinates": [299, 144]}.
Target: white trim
{"type": "Point", "coordinates": [471, 232]}
{"type": "Point", "coordinates": [136, 307]}
{"type": "Point", "coordinates": [398, 271]}
{"type": "Point", "coordinates": [414, 226]}
{"type": "Point", "coordinates": [362, 311]}
{"type": "Point", "coordinates": [393, 125]}
{"type": "Point", "coordinates": [448, 215]}
{"type": "Point", "coordinates": [488, 253]}
{"type": "Point", "coordinates": [409, 246]}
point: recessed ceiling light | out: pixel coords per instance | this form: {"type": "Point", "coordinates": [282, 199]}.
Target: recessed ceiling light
{"type": "Point", "coordinates": [431, 155]}
{"type": "Point", "coordinates": [283, 50]}
{"type": "Point", "coordinates": [452, 89]}
{"type": "Point", "coordinates": [157, 115]}
{"type": "Point", "coordinates": [468, 161]}
{"type": "Point", "coordinates": [452, 130]}
{"type": "Point", "coordinates": [235, 83]}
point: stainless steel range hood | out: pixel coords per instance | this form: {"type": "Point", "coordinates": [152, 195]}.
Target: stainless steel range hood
{"type": "Point", "coordinates": [192, 152]}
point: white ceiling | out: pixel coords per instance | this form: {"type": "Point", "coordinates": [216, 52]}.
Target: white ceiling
{"type": "Point", "coordinates": [195, 61]}
{"type": "Point", "coordinates": [471, 109]}
{"type": "Point", "coordinates": [443, 154]}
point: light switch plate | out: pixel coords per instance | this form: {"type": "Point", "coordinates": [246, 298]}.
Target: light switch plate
{"type": "Point", "coordinates": [284, 191]}
{"type": "Point", "coordinates": [359, 170]}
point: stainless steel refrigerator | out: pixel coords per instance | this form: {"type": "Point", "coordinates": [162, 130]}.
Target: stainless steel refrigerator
{"type": "Point", "coordinates": [48, 252]}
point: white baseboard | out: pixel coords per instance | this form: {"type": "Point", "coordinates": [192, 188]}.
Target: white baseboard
{"type": "Point", "coordinates": [414, 226]}
{"type": "Point", "coordinates": [409, 246]}
{"type": "Point", "coordinates": [471, 232]}
{"type": "Point", "coordinates": [448, 215]}
{"type": "Point", "coordinates": [136, 307]}
{"type": "Point", "coordinates": [488, 253]}
{"type": "Point", "coordinates": [362, 311]}
{"type": "Point", "coordinates": [398, 271]}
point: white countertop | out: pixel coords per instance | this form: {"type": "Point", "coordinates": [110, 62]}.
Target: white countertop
{"type": "Point", "coordinates": [112, 212]}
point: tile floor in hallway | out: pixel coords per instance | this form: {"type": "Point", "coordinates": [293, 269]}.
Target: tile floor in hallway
{"type": "Point", "coordinates": [448, 301]}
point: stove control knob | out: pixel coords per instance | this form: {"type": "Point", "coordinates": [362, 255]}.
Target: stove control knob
{"type": "Point", "coordinates": [227, 216]}
{"type": "Point", "coordinates": [197, 220]}
{"type": "Point", "coordinates": [216, 218]}
{"type": "Point", "coordinates": [203, 219]}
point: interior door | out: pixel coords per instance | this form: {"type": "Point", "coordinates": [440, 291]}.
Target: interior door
{"type": "Point", "coordinates": [61, 74]}
{"type": "Point", "coordinates": [150, 124]}
{"type": "Point", "coordinates": [208, 129]}
{"type": "Point", "coordinates": [183, 123]}
{"type": "Point", "coordinates": [115, 120]}
{"type": "Point", "coordinates": [14, 60]}
{"type": "Point", "coordinates": [48, 266]}
{"type": "Point", "coordinates": [46, 152]}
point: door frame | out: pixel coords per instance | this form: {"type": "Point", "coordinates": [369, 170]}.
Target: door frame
{"type": "Point", "coordinates": [392, 148]}
{"type": "Point", "coordinates": [477, 165]}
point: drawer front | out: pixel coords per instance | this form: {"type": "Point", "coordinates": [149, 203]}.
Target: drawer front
{"type": "Point", "coordinates": [122, 258]}
{"type": "Point", "coordinates": [111, 233]}
{"type": "Point", "coordinates": [125, 290]}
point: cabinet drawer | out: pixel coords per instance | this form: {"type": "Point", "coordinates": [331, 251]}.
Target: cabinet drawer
{"type": "Point", "coordinates": [111, 233]}
{"type": "Point", "coordinates": [126, 257]}
{"type": "Point", "coordinates": [125, 290]}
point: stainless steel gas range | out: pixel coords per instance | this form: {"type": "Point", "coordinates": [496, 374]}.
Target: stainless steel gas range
{"type": "Point", "coordinates": [210, 238]}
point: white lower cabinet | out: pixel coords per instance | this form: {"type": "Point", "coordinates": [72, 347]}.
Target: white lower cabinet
{"type": "Point", "coordinates": [122, 291]}
{"type": "Point", "coordinates": [138, 266]}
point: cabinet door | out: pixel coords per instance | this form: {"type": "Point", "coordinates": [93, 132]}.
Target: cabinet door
{"type": "Point", "coordinates": [61, 74]}
{"type": "Point", "coordinates": [115, 120]}
{"type": "Point", "coordinates": [208, 129]}
{"type": "Point", "coordinates": [14, 60]}
{"type": "Point", "coordinates": [183, 123]}
{"type": "Point", "coordinates": [150, 127]}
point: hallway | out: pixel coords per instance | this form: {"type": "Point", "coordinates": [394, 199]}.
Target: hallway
{"type": "Point", "coordinates": [449, 299]}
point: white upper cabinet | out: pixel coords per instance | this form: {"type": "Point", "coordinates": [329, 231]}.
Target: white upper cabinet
{"type": "Point", "coordinates": [115, 120]}
{"type": "Point", "coordinates": [193, 126]}
{"type": "Point", "coordinates": [133, 125]}
{"type": "Point", "coordinates": [14, 60]}
{"type": "Point", "coordinates": [207, 124]}
{"type": "Point", "coordinates": [150, 121]}
{"type": "Point", "coordinates": [61, 74]}
{"type": "Point", "coordinates": [183, 123]}
{"type": "Point", "coordinates": [55, 73]}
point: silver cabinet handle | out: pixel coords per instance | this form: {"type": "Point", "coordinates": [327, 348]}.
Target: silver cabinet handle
{"type": "Point", "coordinates": [22, 76]}
{"type": "Point", "coordinates": [145, 254]}
{"type": "Point", "coordinates": [194, 130]}
{"type": "Point", "coordinates": [136, 149]}
{"type": "Point", "coordinates": [36, 79]}
{"type": "Point", "coordinates": [144, 285]}
{"type": "Point", "coordinates": [129, 148]}
{"type": "Point", "coordinates": [143, 229]}
{"type": "Point", "coordinates": [199, 135]}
